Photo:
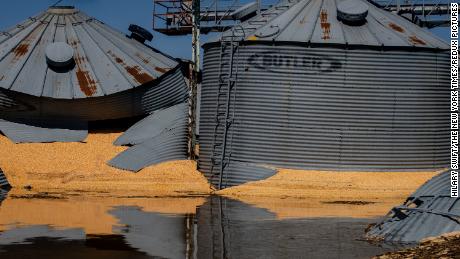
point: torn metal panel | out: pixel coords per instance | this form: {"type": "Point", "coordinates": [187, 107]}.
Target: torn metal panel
{"type": "Point", "coordinates": [3, 194]}
{"type": "Point", "coordinates": [42, 131]}
{"type": "Point", "coordinates": [155, 124]}
{"type": "Point", "coordinates": [237, 173]}
{"type": "Point", "coordinates": [428, 212]}
{"type": "Point", "coordinates": [169, 145]}
{"type": "Point", "coordinates": [317, 23]}
{"type": "Point", "coordinates": [3, 180]}
{"type": "Point", "coordinates": [439, 185]}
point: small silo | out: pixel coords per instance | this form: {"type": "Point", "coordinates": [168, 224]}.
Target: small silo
{"type": "Point", "coordinates": [62, 68]}
{"type": "Point", "coordinates": [336, 85]}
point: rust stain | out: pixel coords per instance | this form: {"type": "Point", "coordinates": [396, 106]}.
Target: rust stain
{"type": "Point", "coordinates": [325, 25]}
{"type": "Point", "coordinates": [74, 42]}
{"type": "Point", "coordinates": [80, 60]}
{"type": "Point", "coordinates": [161, 69]}
{"type": "Point", "coordinates": [119, 60]}
{"type": "Point", "coordinates": [87, 84]}
{"type": "Point", "coordinates": [135, 71]}
{"type": "Point", "coordinates": [21, 50]}
{"type": "Point", "coordinates": [145, 60]}
{"type": "Point", "coordinates": [396, 27]}
{"type": "Point", "coordinates": [416, 41]}
{"type": "Point", "coordinates": [140, 76]}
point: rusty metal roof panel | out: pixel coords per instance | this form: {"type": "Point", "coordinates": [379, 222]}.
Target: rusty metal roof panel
{"type": "Point", "coordinates": [155, 124]}
{"type": "Point", "coordinates": [317, 22]}
{"type": "Point", "coordinates": [44, 131]}
{"type": "Point", "coordinates": [104, 61]}
{"type": "Point", "coordinates": [428, 212]}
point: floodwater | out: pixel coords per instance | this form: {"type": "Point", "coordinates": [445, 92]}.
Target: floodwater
{"type": "Point", "coordinates": [53, 226]}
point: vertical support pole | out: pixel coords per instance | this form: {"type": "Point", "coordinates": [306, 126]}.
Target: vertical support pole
{"type": "Point", "coordinates": [194, 73]}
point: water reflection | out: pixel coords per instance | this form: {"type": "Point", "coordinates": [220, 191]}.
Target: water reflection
{"type": "Point", "coordinates": [142, 227]}
{"type": "Point", "coordinates": [164, 235]}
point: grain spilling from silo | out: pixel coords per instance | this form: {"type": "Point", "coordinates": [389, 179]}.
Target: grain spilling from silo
{"type": "Point", "coordinates": [53, 166]}
{"type": "Point", "coordinates": [63, 68]}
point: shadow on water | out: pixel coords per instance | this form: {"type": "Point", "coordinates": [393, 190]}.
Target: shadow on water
{"type": "Point", "coordinates": [220, 228]}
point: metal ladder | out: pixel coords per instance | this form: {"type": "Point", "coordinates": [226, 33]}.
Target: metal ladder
{"type": "Point", "coordinates": [225, 92]}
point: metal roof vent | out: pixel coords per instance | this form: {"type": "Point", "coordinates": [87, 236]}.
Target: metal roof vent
{"type": "Point", "coordinates": [352, 12]}
{"type": "Point", "coordinates": [59, 54]}
{"type": "Point", "coordinates": [140, 34]}
{"type": "Point", "coordinates": [60, 9]}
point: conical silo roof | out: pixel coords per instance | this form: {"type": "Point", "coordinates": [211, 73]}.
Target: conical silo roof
{"type": "Point", "coordinates": [335, 22]}
{"type": "Point", "coordinates": [63, 53]}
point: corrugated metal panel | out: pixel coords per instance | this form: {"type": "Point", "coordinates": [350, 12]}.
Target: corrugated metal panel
{"type": "Point", "coordinates": [44, 131]}
{"type": "Point", "coordinates": [328, 108]}
{"type": "Point", "coordinates": [106, 61]}
{"type": "Point", "coordinates": [169, 90]}
{"type": "Point", "coordinates": [169, 145]}
{"type": "Point", "coordinates": [160, 137]}
{"type": "Point", "coordinates": [3, 181]}
{"type": "Point", "coordinates": [315, 22]}
{"type": "Point", "coordinates": [3, 195]}
{"type": "Point", "coordinates": [236, 173]}
{"type": "Point", "coordinates": [155, 124]}
{"type": "Point", "coordinates": [428, 212]}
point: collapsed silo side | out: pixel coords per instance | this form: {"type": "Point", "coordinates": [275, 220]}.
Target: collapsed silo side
{"type": "Point", "coordinates": [65, 65]}
{"type": "Point", "coordinates": [343, 98]}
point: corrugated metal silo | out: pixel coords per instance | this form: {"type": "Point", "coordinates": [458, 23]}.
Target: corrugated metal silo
{"type": "Point", "coordinates": [328, 84]}
{"type": "Point", "coordinates": [64, 65]}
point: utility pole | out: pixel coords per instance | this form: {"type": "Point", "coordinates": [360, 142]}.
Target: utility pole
{"type": "Point", "coordinates": [194, 76]}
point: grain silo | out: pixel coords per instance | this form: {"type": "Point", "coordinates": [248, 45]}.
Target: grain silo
{"type": "Point", "coordinates": [336, 85]}
{"type": "Point", "coordinates": [62, 68]}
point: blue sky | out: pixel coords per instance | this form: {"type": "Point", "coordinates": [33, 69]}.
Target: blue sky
{"type": "Point", "coordinates": [118, 14]}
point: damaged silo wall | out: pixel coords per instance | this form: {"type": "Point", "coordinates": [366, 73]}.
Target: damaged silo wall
{"type": "Point", "coordinates": [430, 211]}
{"type": "Point", "coordinates": [106, 75]}
{"type": "Point", "coordinates": [330, 108]}
{"type": "Point", "coordinates": [164, 92]}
